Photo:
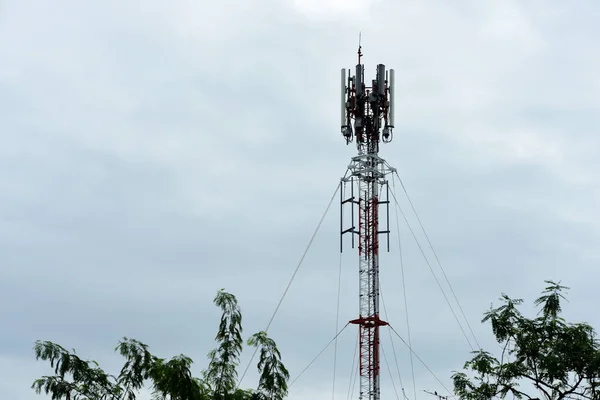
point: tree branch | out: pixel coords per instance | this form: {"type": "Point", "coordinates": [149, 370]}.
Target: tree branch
{"type": "Point", "coordinates": [521, 393]}
{"type": "Point", "coordinates": [537, 382]}
{"type": "Point", "coordinates": [504, 351]}
{"type": "Point", "coordinates": [572, 390]}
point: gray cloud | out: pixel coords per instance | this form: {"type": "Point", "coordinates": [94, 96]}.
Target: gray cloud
{"type": "Point", "coordinates": [154, 154]}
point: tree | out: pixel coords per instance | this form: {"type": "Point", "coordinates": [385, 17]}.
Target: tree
{"type": "Point", "coordinates": [274, 375]}
{"type": "Point", "coordinates": [78, 379]}
{"type": "Point", "coordinates": [561, 360]}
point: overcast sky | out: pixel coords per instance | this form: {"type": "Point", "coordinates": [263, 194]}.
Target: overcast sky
{"type": "Point", "coordinates": [154, 152]}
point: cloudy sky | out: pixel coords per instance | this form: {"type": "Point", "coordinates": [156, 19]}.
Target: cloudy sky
{"type": "Point", "coordinates": [154, 152]}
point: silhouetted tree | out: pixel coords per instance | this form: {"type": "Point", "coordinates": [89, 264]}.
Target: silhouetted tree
{"type": "Point", "coordinates": [561, 360]}
{"type": "Point", "coordinates": [78, 379]}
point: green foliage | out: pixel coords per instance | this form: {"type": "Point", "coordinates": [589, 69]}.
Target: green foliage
{"type": "Point", "coordinates": [561, 360]}
{"type": "Point", "coordinates": [89, 380]}
{"type": "Point", "coordinates": [273, 374]}
{"type": "Point", "coordinates": [77, 379]}
{"type": "Point", "coordinates": [221, 373]}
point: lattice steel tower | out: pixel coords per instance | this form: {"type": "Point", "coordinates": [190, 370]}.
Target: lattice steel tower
{"type": "Point", "coordinates": [367, 116]}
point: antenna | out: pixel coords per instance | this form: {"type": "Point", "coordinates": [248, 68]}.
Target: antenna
{"type": "Point", "coordinates": [359, 47]}
{"type": "Point", "coordinates": [434, 393]}
{"type": "Point", "coordinates": [367, 117]}
{"type": "Point", "coordinates": [370, 107]}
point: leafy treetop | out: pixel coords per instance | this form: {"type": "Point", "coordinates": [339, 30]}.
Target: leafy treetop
{"type": "Point", "coordinates": [78, 379]}
{"type": "Point", "coordinates": [561, 360]}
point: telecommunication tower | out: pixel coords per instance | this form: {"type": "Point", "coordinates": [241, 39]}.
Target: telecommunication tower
{"type": "Point", "coordinates": [367, 117]}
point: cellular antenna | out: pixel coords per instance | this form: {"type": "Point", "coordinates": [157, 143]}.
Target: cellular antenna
{"type": "Point", "coordinates": [367, 116]}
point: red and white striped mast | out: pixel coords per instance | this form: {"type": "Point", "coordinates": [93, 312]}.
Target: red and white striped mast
{"type": "Point", "coordinates": [367, 117]}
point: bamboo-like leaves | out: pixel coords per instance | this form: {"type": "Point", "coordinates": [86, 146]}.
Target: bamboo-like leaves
{"type": "Point", "coordinates": [88, 380]}
{"type": "Point", "coordinates": [77, 379]}
{"type": "Point", "coordinates": [173, 380]}
{"type": "Point", "coordinates": [221, 373]}
{"type": "Point", "coordinates": [139, 364]}
{"type": "Point", "coordinates": [273, 374]}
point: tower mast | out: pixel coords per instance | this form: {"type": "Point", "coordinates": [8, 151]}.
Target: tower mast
{"type": "Point", "coordinates": [367, 116]}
